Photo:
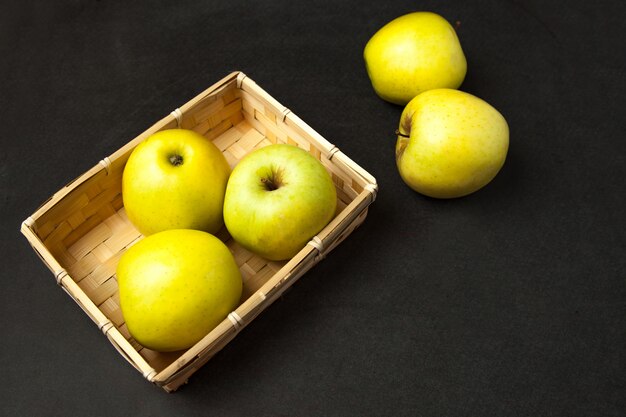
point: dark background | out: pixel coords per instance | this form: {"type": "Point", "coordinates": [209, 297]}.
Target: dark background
{"type": "Point", "coordinates": [508, 302]}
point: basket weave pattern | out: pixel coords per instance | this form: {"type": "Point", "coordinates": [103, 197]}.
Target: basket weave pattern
{"type": "Point", "coordinates": [81, 231]}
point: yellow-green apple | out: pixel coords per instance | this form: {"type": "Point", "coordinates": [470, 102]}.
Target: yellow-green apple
{"type": "Point", "coordinates": [450, 143]}
{"type": "Point", "coordinates": [175, 286]}
{"type": "Point", "coordinates": [175, 179]}
{"type": "Point", "coordinates": [278, 197]}
{"type": "Point", "coordinates": [413, 53]}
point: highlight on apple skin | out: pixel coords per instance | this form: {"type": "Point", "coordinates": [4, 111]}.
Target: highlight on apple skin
{"type": "Point", "coordinates": [277, 198]}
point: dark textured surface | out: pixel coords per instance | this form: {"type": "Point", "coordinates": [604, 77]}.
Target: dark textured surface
{"type": "Point", "coordinates": [509, 302]}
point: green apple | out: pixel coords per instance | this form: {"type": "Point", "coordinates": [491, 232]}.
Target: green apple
{"type": "Point", "coordinates": [278, 197]}
{"type": "Point", "coordinates": [414, 53]}
{"type": "Point", "coordinates": [175, 286]}
{"type": "Point", "coordinates": [175, 179]}
{"type": "Point", "coordinates": [450, 143]}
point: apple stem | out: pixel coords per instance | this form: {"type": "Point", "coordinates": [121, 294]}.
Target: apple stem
{"type": "Point", "coordinates": [270, 185]}
{"type": "Point", "coordinates": [401, 134]}
{"type": "Point", "coordinates": [176, 160]}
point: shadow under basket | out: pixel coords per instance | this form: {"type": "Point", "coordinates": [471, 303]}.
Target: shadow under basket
{"type": "Point", "coordinates": [82, 230]}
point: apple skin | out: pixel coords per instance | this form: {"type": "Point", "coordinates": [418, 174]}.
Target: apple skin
{"type": "Point", "coordinates": [176, 286]}
{"type": "Point", "coordinates": [456, 143]}
{"type": "Point", "coordinates": [414, 53]}
{"type": "Point", "coordinates": [162, 193]}
{"type": "Point", "coordinates": [277, 223]}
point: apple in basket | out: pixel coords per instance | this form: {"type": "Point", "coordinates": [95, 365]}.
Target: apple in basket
{"type": "Point", "coordinates": [277, 198]}
{"type": "Point", "coordinates": [175, 286]}
{"type": "Point", "coordinates": [175, 179]}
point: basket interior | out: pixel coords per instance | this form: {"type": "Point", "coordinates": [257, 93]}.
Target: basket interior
{"type": "Point", "coordinates": [87, 230]}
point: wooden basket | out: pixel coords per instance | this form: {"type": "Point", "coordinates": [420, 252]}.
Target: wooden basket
{"type": "Point", "coordinates": [82, 230]}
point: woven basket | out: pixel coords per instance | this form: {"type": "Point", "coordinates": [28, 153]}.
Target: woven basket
{"type": "Point", "coordinates": [82, 230]}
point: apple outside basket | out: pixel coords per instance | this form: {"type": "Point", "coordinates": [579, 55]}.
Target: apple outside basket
{"type": "Point", "coordinates": [82, 230]}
